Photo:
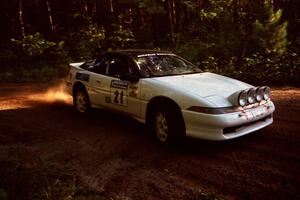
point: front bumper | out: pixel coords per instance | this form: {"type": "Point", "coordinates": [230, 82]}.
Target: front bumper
{"type": "Point", "coordinates": [227, 126]}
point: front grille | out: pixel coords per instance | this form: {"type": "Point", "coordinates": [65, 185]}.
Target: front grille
{"type": "Point", "coordinates": [233, 129]}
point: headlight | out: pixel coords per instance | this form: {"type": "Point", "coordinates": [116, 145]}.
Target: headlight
{"type": "Point", "coordinates": [251, 96]}
{"type": "Point", "coordinates": [259, 94]}
{"type": "Point", "coordinates": [267, 91]}
{"type": "Point", "coordinates": [214, 111]}
{"type": "Point", "coordinates": [242, 98]}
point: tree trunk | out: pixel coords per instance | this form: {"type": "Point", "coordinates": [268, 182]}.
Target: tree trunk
{"type": "Point", "coordinates": [174, 14]}
{"type": "Point", "coordinates": [94, 11]}
{"type": "Point", "coordinates": [52, 26]}
{"type": "Point", "coordinates": [180, 17]}
{"type": "Point", "coordinates": [111, 6]}
{"type": "Point", "coordinates": [199, 4]}
{"type": "Point", "coordinates": [276, 4]}
{"type": "Point", "coordinates": [21, 19]}
{"type": "Point", "coordinates": [85, 7]}
{"type": "Point", "coordinates": [171, 24]}
{"type": "Point", "coordinates": [142, 17]}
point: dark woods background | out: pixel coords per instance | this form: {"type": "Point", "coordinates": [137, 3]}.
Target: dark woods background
{"type": "Point", "coordinates": [256, 41]}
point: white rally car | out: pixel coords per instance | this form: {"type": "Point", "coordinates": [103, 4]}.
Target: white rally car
{"type": "Point", "coordinates": [171, 95]}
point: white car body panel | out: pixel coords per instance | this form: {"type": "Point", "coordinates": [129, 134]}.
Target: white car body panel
{"type": "Point", "coordinates": [199, 125]}
{"type": "Point", "coordinates": [204, 84]}
{"type": "Point", "coordinates": [200, 89]}
{"type": "Point", "coordinates": [101, 93]}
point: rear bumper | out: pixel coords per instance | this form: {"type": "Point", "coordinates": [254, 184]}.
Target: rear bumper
{"type": "Point", "coordinates": [227, 126]}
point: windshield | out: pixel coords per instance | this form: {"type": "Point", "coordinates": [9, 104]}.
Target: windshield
{"type": "Point", "coordinates": [164, 65]}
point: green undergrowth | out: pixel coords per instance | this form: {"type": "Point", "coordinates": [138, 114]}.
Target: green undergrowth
{"type": "Point", "coordinates": [33, 74]}
{"type": "Point", "coordinates": [25, 176]}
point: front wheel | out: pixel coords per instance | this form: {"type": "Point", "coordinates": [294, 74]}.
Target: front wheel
{"type": "Point", "coordinates": [167, 125]}
{"type": "Point", "coordinates": [162, 128]}
{"type": "Point", "coordinates": [81, 100]}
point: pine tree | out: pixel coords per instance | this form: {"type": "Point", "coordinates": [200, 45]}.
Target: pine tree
{"type": "Point", "coordinates": [270, 32]}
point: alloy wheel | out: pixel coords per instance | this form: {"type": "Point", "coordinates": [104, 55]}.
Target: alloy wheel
{"type": "Point", "coordinates": [81, 102]}
{"type": "Point", "coordinates": [161, 127]}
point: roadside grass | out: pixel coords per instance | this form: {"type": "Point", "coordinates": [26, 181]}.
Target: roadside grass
{"type": "Point", "coordinates": [25, 176]}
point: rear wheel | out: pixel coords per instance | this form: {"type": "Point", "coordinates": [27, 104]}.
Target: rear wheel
{"type": "Point", "coordinates": [81, 100]}
{"type": "Point", "coordinates": [167, 124]}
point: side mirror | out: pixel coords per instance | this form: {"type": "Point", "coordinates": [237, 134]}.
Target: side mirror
{"type": "Point", "coordinates": [129, 77]}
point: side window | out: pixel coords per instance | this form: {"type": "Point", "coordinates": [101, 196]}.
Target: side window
{"type": "Point", "coordinates": [88, 65]}
{"type": "Point", "coordinates": [99, 66]}
{"type": "Point", "coordinates": [116, 66]}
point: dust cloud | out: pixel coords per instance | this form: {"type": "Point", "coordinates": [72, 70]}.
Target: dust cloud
{"type": "Point", "coordinates": [30, 95]}
{"type": "Point", "coordinates": [54, 94]}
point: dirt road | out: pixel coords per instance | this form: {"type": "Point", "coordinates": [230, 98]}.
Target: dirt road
{"type": "Point", "coordinates": [114, 154]}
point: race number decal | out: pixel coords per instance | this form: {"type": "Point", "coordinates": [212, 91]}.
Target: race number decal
{"type": "Point", "coordinates": [118, 91]}
{"type": "Point", "coordinates": [119, 97]}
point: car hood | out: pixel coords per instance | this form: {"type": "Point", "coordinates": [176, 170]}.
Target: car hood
{"type": "Point", "coordinates": [204, 84]}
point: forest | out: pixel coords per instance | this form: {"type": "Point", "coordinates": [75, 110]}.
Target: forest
{"type": "Point", "coordinates": [256, 41]}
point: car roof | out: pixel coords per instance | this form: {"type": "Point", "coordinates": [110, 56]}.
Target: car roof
{"type": "Point", "coordinates": [137, 52]}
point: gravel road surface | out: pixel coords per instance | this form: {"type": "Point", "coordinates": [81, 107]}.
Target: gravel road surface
{"type": "Point", "coordinates": [115, 154]}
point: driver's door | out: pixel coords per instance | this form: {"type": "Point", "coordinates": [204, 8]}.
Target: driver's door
{"type": "Point", "coordinates": [123, 95]}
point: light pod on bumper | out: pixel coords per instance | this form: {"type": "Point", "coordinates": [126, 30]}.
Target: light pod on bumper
{"type": "Point", "coordinates": [251, 96]}
{"type": "Point", "coordinates": [267, 92]}
{"type": "Point", "coordinates": [259, 94]}
{"type": "Point", "coordinates": [243, 98]}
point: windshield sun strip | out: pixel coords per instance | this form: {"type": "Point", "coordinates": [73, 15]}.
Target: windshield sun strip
{"type": "Point", "coordinates": [155, 54]}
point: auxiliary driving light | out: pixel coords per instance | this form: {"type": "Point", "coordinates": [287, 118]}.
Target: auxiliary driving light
{"type": "Point", "coordinates": [242, 99]}
{"type": "Point", "coordinates": [267, 91]}
{"type": "Point", "coordinates": [259, 94]}
{"type": "Point", "coordinates": [251, 96]}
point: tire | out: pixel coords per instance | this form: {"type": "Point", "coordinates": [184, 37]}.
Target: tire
{"type": "Point", "coordinates": [167, 125]}
{"type": "Point", "coordinates": [81, 100]}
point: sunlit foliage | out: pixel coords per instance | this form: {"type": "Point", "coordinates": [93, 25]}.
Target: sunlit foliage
{"type": "Point", "coordinates": [237, 37]}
